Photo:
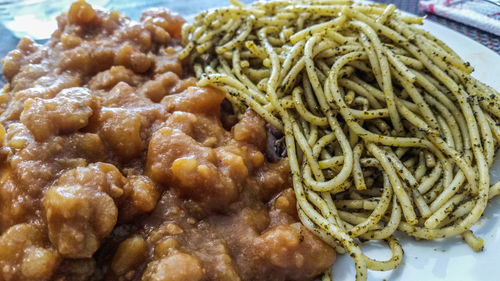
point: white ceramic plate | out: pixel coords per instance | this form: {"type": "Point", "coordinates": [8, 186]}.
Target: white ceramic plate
{"type": "Point", "coordinates": [447, 259]}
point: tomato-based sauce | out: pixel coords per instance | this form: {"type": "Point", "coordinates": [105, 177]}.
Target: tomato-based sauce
{"type": "Point", "coordinates": [116, 166]}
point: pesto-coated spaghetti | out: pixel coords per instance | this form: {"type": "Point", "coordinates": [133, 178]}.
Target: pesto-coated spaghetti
{"type": "Point", "coordinates": [384, 126]}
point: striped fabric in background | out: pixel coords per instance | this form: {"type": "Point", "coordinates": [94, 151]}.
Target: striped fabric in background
{"type": "Point", "coordinates": [487, 39]}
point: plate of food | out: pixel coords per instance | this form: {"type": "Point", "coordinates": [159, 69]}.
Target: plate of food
{"type": "Point", "coordinates": [266, 141]}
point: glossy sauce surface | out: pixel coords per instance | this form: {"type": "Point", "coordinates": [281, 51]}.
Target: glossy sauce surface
{"type": "Point", "coordinates": [115, 166]}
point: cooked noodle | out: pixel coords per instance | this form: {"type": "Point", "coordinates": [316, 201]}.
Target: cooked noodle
{"type": "Point", "coordinates": [384, 126]}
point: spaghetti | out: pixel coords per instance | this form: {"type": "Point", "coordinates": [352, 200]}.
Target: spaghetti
{"type": "Point", "coordinates": [385, 128]}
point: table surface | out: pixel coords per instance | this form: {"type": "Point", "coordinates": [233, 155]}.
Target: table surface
{"type": "Point", "coordinates": [187, 7]}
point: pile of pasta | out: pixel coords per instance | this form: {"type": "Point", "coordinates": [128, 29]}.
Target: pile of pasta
{"type": "Point", "coordinates": [385, 128]}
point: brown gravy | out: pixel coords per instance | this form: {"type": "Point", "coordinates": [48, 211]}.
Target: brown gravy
{"type": "Point", "coordinates": [115, 166]}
